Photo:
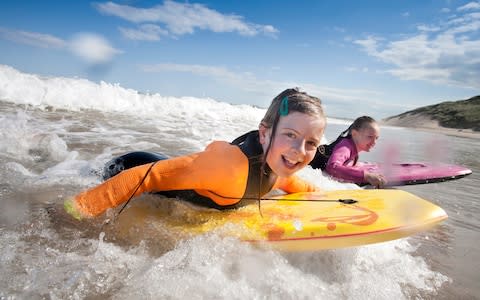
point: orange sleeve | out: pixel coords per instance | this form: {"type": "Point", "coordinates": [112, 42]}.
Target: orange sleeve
{"type": "Point", "coordinates": [220, 173]}
{"type": "Point", "coordinates": [294, 184]}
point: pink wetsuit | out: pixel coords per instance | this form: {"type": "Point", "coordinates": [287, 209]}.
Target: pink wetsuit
{"type": "Point", "coordinates": [341, 163]}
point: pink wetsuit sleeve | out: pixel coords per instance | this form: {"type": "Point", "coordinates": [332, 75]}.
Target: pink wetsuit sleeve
{"type": "Point", "coordinates": [340, 164]}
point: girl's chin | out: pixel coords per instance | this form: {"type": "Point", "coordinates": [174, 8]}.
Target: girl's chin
{"type": "Point", "coordinates": [285, 174]}
{"type": "Point", "coordinates": [287, 171]}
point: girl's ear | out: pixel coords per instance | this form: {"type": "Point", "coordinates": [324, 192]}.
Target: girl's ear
{"type": "Point", "coordinates": [354, 134]}
{"type": "Point", "coordinates": [264, 134]}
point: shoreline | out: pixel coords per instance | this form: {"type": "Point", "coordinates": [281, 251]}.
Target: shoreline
{"type": "Point", "coordinates": [465, 133]}
{"type": "Point", "coordinates": [422, 123]}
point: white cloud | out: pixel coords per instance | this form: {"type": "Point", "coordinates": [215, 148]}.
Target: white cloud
{"type": "Point", "coordinates": [145, 32]}
{"type": "Point", "coordinates": [369, 44]}
{"type": "Point", "coordinates": [446, 53]}
{"type": "Point", "coordinates": [357, 69]}
{"type": "Point", "coordinates": [469, 6]}
{"type": "Point", "coordinates": [220, 73]}
{"type": "Point", "coordinates": [92, 48]}
{"type": "Point", "coordinates": [434, 75]}
{"type": "Point", "coordinates": [428, 28]}
{"type": "Point", "coordinates": [248, 82]}
{"type": "Point", "coordinates": [184, 18]}
{"type": "Point", "coordinates": [32, 38]}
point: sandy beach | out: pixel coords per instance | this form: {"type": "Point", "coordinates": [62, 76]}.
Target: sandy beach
{"type": "Point", "coordinates": [424, 123]}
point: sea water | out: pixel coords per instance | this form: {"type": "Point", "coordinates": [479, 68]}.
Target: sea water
{"type": "Point", "coordinates": [56, 135]}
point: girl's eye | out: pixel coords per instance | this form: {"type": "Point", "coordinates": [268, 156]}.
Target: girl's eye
{"type": "Point", "coordinates": [290, 135]}
{"type": "Point", "coordinates": [312, 145]}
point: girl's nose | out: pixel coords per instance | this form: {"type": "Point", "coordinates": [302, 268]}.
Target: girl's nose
{"type": "Point", "coordinates": [299, 146]}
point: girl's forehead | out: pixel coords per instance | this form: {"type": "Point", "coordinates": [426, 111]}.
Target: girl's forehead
{"type": "Point", "coordinates": [301, 122]}
{"type": "Point", "coordinates": [296, 116]}
{"type": "Point", "coordinates": [373, 126]}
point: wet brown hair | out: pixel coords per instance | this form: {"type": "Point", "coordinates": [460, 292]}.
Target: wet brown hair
{"type": "Point", "coordinates": [297, 101]}
{"type": "Point", "coordinates": [359, 123]}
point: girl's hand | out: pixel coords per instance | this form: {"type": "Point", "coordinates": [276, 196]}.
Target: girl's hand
{"type": "Point", "coordinates": [377, 180]}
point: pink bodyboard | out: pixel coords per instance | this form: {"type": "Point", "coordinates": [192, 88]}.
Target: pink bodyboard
{"type": "Point", "coordinates": [415, 172]}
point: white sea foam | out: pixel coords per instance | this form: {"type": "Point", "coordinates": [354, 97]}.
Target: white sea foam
{"type": "Point", "coordinates": [56, 134]}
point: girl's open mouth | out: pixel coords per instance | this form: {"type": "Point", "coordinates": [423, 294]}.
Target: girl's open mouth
{"type": "Point", "coordinates": [290, 163]}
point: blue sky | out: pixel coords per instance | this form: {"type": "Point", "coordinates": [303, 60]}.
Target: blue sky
{"type": "Point", "coordinates": [379, 58]}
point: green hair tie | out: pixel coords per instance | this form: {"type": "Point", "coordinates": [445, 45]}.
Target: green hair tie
{"type": "Point", "coordinates": [284, 106]}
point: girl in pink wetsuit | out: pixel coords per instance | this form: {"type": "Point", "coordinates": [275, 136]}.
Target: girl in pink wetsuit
{"type": "Point", "coordinates": [340, 157]}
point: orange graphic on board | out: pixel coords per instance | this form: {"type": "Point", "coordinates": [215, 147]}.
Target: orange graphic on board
{"type": "Point", "coordinates": [274, 232]}
{"type": "Point", "coordinates": [367, 217]}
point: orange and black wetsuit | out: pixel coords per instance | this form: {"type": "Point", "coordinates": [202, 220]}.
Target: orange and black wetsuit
{"type": "Point", "coordinates": [221, 177]}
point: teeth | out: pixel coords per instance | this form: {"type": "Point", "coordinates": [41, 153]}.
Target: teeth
{"type": "Point", "coordinates": [291, 161]}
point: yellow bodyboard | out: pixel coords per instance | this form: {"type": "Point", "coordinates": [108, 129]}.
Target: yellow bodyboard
{"type": "Point", "coordinates": [315, 221]}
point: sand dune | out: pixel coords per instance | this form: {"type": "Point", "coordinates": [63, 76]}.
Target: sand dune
{"type": "Point", "coordinates": [424, 122]}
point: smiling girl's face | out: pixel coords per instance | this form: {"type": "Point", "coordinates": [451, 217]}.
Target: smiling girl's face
{"type": "Point", "coordinates": [296, 140]}
{"type": "Point", "coordinates": [366, 137]}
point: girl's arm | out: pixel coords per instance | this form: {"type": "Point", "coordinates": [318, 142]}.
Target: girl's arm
{"type": "Point", "coordinates": [338, 165]}
{"type": "Point", "coordinates": [222, 169]}
{"type": "Point", "coordinates": [294, 184]}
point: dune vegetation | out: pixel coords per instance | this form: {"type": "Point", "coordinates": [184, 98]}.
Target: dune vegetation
{"type": "Point", "coordinates": [461, 114]}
